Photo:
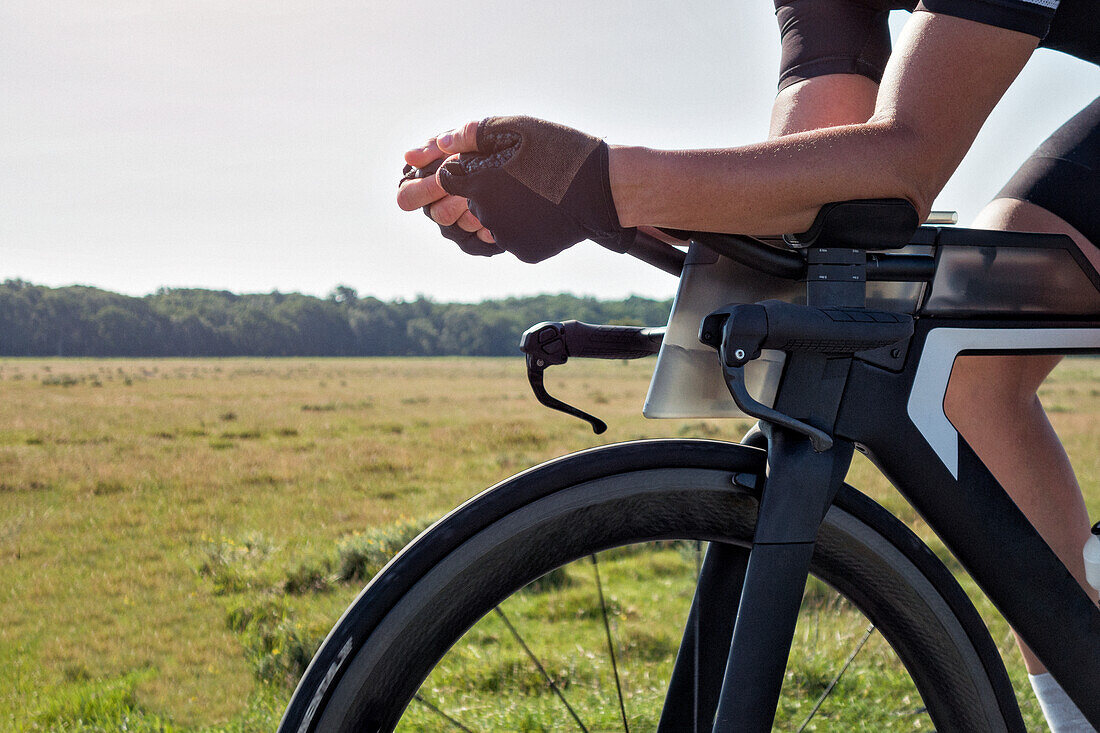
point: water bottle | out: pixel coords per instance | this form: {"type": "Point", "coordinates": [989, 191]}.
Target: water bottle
{"type": "Point", "coordinates": [1092, 557]}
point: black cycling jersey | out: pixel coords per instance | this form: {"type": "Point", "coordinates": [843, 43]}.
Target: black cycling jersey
{"type": "Point", "coordinates": [1072, 26]}
{"type": "Point", "coordinates": [852, 36]}
{"type": "Point", "coordinates": [1026, 16]}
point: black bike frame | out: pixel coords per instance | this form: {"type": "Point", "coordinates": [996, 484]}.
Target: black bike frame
{"type": "Point", "coordinates": [937, 472]}
{"type": "Point", "coordinates": [891, 408]}
{"type": "Point", "coordinates": [967, 507]}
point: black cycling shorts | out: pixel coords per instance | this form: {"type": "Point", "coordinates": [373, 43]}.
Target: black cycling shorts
{"type": "Point", "coordinates": [1063, 174]}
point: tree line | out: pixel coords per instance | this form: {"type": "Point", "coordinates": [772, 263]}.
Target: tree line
{"type": "Point", "coordinates": [84, 321]}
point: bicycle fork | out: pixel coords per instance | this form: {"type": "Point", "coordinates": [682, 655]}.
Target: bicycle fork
{"type": "Point", "coordinates": [738, 690]}
{"type": "Point", "coordinates": [806, 467]}
{"type": "Point", "coordinates": [799, 489]}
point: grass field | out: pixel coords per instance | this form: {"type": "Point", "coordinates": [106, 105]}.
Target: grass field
{"type": "Point", "coordinates": [177, 535]}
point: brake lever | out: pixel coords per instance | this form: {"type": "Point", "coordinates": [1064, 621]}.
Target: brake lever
{"type": "Point", "coordinates": [734, 377]}
{"type": "Point", "coordinates": [738, 332]}
{"type": "Point", "coordinates": [410, 173]}
{"type": "Point", "coordinates": [535, 368]}
{"type": "Point", "coordinates": [545, 345]}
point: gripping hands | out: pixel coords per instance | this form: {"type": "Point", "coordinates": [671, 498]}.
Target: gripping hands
{"type": "Point", "coordinates": [539, 187]}
{"type": "Point", "coordinates": [467, 239]}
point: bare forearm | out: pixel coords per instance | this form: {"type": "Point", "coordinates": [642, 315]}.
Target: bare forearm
{"type": "Point", "coordinates": [766, 188]}
{"type": "Point", "coordinates": [926, 115]}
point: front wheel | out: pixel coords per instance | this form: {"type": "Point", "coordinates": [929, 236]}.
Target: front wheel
{"type": "Point", "coordinates": [557, 601]}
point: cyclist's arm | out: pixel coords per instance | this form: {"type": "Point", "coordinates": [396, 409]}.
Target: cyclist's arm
{"type": "Point", "coordinates": [823, 101]}
{"type": "Point", "coordinates": [944, 78]}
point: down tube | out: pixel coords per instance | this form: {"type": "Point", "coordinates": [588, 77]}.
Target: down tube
{"type": "Point", "coordinates": [980, 525]}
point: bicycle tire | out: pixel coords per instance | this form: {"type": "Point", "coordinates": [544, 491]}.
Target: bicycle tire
{"type": "Point", "coordinates": [386, 643]}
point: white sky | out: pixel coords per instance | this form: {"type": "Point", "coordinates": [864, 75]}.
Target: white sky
{"type": "Point", "coordinates": [256, 145]}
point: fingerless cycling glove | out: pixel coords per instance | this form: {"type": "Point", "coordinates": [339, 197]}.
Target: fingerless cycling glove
{"type": "Point", "coordinates": [539, 187]}
{"type": "Point", "coordinates": [468, 242]}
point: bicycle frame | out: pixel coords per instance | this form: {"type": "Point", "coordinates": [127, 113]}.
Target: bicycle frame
{"type": "Point", "coordinates": [938, 473]}
{"type": "Point", "coordinates": [908, 437]}
{"type": "Point", "coordinates": [892, 410]}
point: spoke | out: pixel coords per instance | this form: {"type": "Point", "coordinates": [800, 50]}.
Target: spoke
{"type": "Point", "coordinates": [537, 663]}
{"type": "Point", "coordinates": [610, 646]}
{"type": "Point", "coordinates": [696, 640]}
{"type": "Point", "coordinates": [423, 701]}
{"type": "Point", "coordinates": [829, 688]}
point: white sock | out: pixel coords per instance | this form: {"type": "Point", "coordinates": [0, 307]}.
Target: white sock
{"type": "Point", "coordinates": [1061, 714]}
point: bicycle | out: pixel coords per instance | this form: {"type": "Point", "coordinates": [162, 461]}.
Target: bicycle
{"type": "Point", "coordinates": [855, 355]}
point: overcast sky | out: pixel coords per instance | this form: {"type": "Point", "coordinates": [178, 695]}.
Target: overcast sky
{"type": "Point", "coordinates": [255, 146]}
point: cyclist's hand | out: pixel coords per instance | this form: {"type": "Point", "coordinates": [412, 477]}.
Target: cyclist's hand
{"type": "Point", "coordinates": [537, 186]}
{"type": "Point", "coordinates": [420, 188]}
{"type": "Point", "coordinates": [455, 221]}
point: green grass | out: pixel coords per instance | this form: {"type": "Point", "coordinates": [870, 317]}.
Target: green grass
{"type": "Point", "coordinates": [176, 536]}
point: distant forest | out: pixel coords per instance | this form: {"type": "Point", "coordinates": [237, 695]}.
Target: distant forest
{"type": "Point", "coordinates": [86, 321]}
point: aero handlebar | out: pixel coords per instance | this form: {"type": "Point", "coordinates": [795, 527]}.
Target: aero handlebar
{"type": "Point", "coordinates": [770, 260]}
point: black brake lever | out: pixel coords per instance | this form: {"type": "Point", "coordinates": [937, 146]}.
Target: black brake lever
{"type": "Point", "coordinates": [739, 332]}
{"type": "Point", "coordinates": [535, 368]}
{"type": "Point", "coordinates": [544, 345]}
{"type": "Point", "coordinates": [551, 343]}
{"type": "Point", "coordinates": [734, 377]}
